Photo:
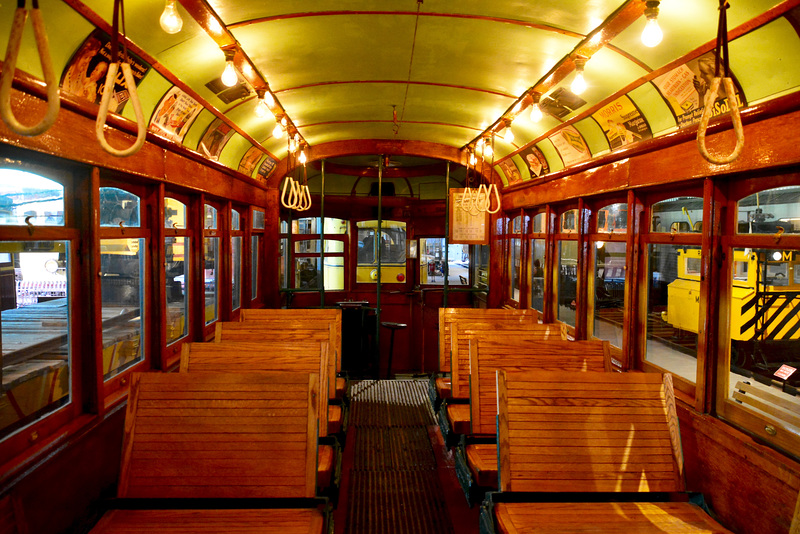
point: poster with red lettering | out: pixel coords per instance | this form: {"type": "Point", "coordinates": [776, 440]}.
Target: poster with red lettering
{"type": "Point", "coordinates": [623, 123]}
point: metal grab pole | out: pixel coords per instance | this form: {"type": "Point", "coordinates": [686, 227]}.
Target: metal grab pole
{"type": "Point", "coordinates": [446, 267]}
{"type": "Point", "coordinates": [378, 235]}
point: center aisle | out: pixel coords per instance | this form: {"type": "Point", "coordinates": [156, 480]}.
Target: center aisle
{"type": "Point", "coordinates": [397, 477]}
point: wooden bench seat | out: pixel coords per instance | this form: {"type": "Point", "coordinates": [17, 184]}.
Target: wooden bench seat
{"type": "Point", "coordinates": [301, 356]}
{"type": "Point", "coordinates": [460, 334]}
{"type": "Point", "coordinates": [490, 351]}
{"type": "Point", "coordinates": [290, 331]}
{"type": "Point", "coordinates": [206, 436]}
{"type": "Point", "coordinates": [589, 437]}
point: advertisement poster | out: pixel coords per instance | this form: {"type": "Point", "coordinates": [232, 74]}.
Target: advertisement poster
{"type": "Point", "coordinates": [570, 145]}
{"type": "Point", "coordinates": [622, 123]}
{"type": "Point", "coordinates": [467, 228]}
{"type": "Point", "coordinates": [174, 114]}
{"type": "Point", "coordinates": [249, 160]}
{"type": "Point", "coordinates": [266, 168]}
{"type": "Point", "coordinates": [536, 162]}
{"type": "Point", "coordinates": [685, 88]}
{"type": "Point", "coordinates": [511, 171]}
{"type": "Point", "coordinates": [85, 75]}
{"type": "Point", "coordinates": [214, 140]}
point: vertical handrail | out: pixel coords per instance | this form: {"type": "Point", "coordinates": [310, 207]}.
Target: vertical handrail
{"type": "Point", "coordinates": [108, 88]}
{"type": "Point", "coordinates": [10, 65]}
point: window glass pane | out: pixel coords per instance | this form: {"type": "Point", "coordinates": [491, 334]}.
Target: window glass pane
{"type": "Point", "coordinates": [211, 277]}
{"type": "Point", "coordinates": [174, 213]}
{"type": "Point", "coordinates": [236, 267]}
{"type": "Point", "coordinates": [681, 214]}
{"type": "Point", "coordinates": [393, 252]}
{"type": "Point", "coordinates": [458, 264]}
{"type": "Point", "coordinates": [334, 246]}
{"type": "Point", "coordinates": [334, 273]}
{"type": "Point", "coordinates": [516, 225]}
{"type": "Point", "coordinates": [235, 220]}
{"type": "Point", "coordinates": [307, 246]}
{"type": "Point", "coordinates": [284, 227]}
{"type": "Point", "coordinates": [306, 225]}
{"type": "Point", "coordinates": [569, 222]}
{"type": "Point", "coordinates": [538, 223]}
{"type": "Point", "coordinates": [255, 246]}
{"type": "Point", "coordinates": [431, 263]}
{"type": "Point", "coordinates": [121, 283]}
{"type": "Point", "coordinates": [118, 208]}
{"type": "Point", "coordinates": [480, 270]}
{"type": "Point", "coordinates": [284, 270]}
{"type": "Point", "coordinates": [613, 219]}
{"type": "Point", "coordinates": [673, 304]}
{"type": "Point", "coordinates": [765, 211]}
{"type": "Point", "coordinates": [209, 217]}
{"type": "Point", "coordinates": [335, 226]}
{"type": "Point", "coordinates": [514, 268]}
{"type": "Point", "coordinates": [24, 195]}
{"type": "Point", "coordinates": [765, 330]}
{"type": "Point", "coordinates": [34, 331]}
{"type": "Point", "coordinates": [537, 274]}
{"type": "Point", "coordinates": [176, 268]}
{"type": "Point", "coordinates": [258, 220]}
{"type": "Point", "coordinates": [609, 291]}
{"type": "Point", "coordinates": [305, 273]}
{"type": "Point", "coordinates": [567, 280]}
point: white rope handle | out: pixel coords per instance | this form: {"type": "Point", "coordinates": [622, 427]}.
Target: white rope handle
{"type": "Point", "coordinates": [102, 114]}
{"type": "Point", "coordinates": [466, 199]}
{"type": "Point", "coordinates": [305, 199]}
{"type": "Point", "coordinates": [711, 96]}
{"type": "Point", "coordinates": [493, 193]}
{"type": "Point", "coordinates": [287, 202]}
{"type": "Point", "coordinates": [10, 64]}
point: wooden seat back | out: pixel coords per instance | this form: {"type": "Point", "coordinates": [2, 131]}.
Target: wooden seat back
{"type": "Point", "coordinates": [220, 435]}
{"type": "Point", "coordinates": [761, 399]}
{"type": "Point", "coordinates": [462, 331]}
{"type": "Point", "coordinates": [268, 332]}
{"type": "Point", "coordinates": [562, 431]}
{"type": "Point", "coordinates": [243, 357]}
{"type": "Point", "coordinates": [492, 352]}
{"type": "Point", "coordinates": [448, 315]}
{"type": "Point", "coordinates": [311, 318]}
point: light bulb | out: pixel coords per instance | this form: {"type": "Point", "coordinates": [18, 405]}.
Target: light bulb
{"type": "Point", "coordinates": [472, 159]}
{"type": "Point", "coordinates": [229, 76]}
{"type": "Point", "coordinates": [277, 133]}
{"type": "Point", "coordinates": [487, 150]}
{"type": "Point", "coordinates": [536, 113]}
{"type": "Point", "coordinates": [292, 145]}
{"type": "Point", "coordinates": [261, 108]}
{"type": "Point", "coordinates": [578, 84]}
{"type": "Point", "coordinates": [508, 137]}
{"type": "Point", "coordinates": [171, 21]}
{"type": "Point", "coordinates": [302, 159]}
{"type": "Point", "coordinates": [777, 256]}
{"type": "Point", "coordinates": [652, 33]}
{"type": "Point", "coordinates": [269, 100]}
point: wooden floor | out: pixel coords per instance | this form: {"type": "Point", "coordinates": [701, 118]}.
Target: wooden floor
{"type": "Point", "coordinates": [397, 476]}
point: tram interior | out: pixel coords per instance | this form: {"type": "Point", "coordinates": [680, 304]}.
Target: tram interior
{"type": "Point", "coordinates": [625, 168]}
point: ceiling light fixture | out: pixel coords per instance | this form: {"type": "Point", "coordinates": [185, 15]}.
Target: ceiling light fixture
{"type": "Point", "coordinates": [488, 151]}
{"type": "Point", "coordinates": [536, 111]}
{"type": "Point", "coordinates": [508, 136]}
{"type": "Point", "coordinates": [302, 158]}
{"type": "Point", "coordinates": [262, 107]}
{"type": "Point", "coordinates": [579, 83]}
{"type": "Point", "coordinates": [652, 33]}
{"type": "Point", "coordinates": [171, 21]}
{"type": "Point", "coordinates": [277, 133]}
{"type": "Point", "coordinates": [229, 76]}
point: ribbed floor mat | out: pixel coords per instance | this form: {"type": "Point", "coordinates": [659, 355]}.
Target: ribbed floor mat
{"type": "Point", "coordinates": [394, 487]}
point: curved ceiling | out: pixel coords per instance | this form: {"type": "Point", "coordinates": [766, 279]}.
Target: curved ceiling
{"type": "Point", "coordinates": [438, 73]}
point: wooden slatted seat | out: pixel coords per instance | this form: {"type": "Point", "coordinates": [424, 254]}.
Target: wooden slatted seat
{"type": "Point", "coordinates": [305, 356]}
{"type": "Point", "coordinates": [312, 317]}
{"type": "Point", "coordinates": [205, 437]}
{"type": "Point", "coordinates": [440, 387]}
{"type": "Point", "coordinates": [476, 460]}
{"type": "Point", "coordinates": [589, 437]}
{"type": "Point", "coordinates": [458, 420]}
{"type": "Point", "coordinates": [288, 331]}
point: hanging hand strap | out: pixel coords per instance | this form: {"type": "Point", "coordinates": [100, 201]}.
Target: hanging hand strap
{"type": "Point", "coordinates": [10, 64]}
{"type": "Point", "coordinates": [721, 74]}
{"type": "Point", "coordinates": [108, 88]}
